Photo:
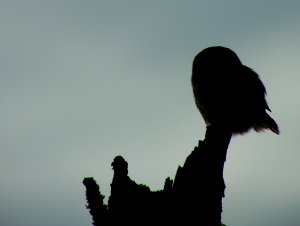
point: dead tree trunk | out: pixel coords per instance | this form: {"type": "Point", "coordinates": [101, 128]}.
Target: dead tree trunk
{"type": "Point", "coordinates": [199, 185]}
{"type": "Point", "coordinates": [195, 197]}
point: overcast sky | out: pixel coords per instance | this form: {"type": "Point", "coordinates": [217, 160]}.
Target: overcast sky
{"type": "Point", "coordinates": [84, 81]}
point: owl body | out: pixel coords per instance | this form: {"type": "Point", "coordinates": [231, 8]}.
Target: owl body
{"type": "Point", "coordinates": [228, 93]}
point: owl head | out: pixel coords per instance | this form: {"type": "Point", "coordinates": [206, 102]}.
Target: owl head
{"type": "Point", "coordinates": [216, 58]}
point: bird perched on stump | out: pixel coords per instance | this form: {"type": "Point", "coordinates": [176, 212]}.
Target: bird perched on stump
{"type": "Point", "coordinates": [228, 93]}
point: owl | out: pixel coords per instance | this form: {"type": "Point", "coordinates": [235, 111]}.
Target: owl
{"type": "Point", "coordinates": [228, 93]}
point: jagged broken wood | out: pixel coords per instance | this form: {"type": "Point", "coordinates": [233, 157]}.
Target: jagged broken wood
{"type": "Point", "coordinates": [193, 198]}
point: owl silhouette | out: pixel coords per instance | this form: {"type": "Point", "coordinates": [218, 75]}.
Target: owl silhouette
{"type": "Point", "coordinates": [228, 93]}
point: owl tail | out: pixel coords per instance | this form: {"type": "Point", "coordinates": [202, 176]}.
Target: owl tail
{"type": "Point", "coordinates": [268, 123]}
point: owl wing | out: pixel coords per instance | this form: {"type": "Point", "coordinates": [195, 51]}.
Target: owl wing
{"type": "Point", "coordinates": [253, 91]}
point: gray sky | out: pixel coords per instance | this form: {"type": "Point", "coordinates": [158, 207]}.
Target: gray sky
{"type": "Point", "coordinates": [84, 81]}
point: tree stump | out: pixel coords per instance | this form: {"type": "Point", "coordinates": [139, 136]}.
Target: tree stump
{"type": "Point", "coordinates": [194, 198]}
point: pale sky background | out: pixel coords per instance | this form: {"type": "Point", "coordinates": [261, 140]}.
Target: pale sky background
{"type": "Point", "coordinates": [84, 81]}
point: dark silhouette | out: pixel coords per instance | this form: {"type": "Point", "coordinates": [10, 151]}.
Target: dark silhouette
{"type": "Point", "coordinates": [194, 198]}
{"type": "Point", "coordinates": [130, 203]}
{"type": "Point", "coordinates": [199, 186]}
{"type": "Point", "coordinates": [98, 209]}
{"type": "Point", "coordinates": [229, 93]}
{"type": "Point", "coordinates": [231, 99]}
